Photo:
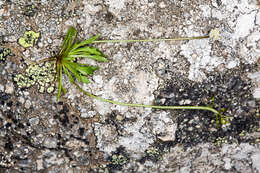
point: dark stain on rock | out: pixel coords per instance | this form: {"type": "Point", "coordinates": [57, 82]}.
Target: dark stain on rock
{"type": "Point", "coordinates": [227, 91]}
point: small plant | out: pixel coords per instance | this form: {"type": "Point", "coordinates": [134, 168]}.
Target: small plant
{"type": "Point", "coordinates": [73, 50]}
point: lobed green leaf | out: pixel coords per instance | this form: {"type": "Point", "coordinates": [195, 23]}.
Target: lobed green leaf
{"type": "Point", "coordinates": [84, 79]}
{"type": "Point", "coordinates": [87, 70]}
{"type": "Point", "coordinates": [88, 41]}
{"type": "Point", "coordinates": [87, 50]}
{"type": "Point", "coordinates": [68, 74]}
{"type": "Point", "coordinates": [94, 57]}
{"type": "Point", "coordinates": [73, 71]}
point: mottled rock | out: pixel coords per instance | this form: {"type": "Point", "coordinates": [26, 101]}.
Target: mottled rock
{"type": "Point", "coordinates": [9, 88]}
{"type": "Point", "coordinates": [256, 160]}
{"type": "Point", "coordinates": [50, 142]}
{"type": "Point", "coordinates": [27, 104]}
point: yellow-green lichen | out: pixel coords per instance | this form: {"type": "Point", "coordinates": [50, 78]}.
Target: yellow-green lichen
{"type": "Point", "coordinates": [242, 134]}
{"type": "Point", "coordinates": [119, 159]}
{"type": "Point", "coordinates": [50, 89]}
{"type": "Point", "coordinates": [221, 140]}
{"type": "Point", "coordinates": [42, 76]}
{"type": "Point", "coordinates": [29, 39]}
{"type": "Point", "coordinates": [154, 154]}
{"type": "Point", "coordinates": [4, 53]}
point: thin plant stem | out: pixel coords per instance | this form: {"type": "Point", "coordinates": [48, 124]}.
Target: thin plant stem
{"type": "Point", "coordinates": [150, 40]}
{"type": "Point", "coordinates": [146, 106]}
{"type": "Point", "coordinates": [43, 60]}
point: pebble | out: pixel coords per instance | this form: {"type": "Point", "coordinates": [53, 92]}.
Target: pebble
{"type": "Point", "coordinates": [257, 19]}
{"type": "Point", "coordinates": [256, 160]}
{"type": "Point", "coordinates": [40, 44]}
{"type": "Point", "coordinates": [50, 142]}
{"type": "Point", "coordinates": [256, 93]}
{"type": "Point", "coordinates": [34, 121]}
{"type": "Point", "coordinates": [1, 87]}
{"type": "Point", "coordinates": [21, 100]}
{"type": "Point", "coordinates": [162, 5]}
{"type": "Point", "coordinates": [27, 104]}
{"type": "Point", "coordinates": [9, 88]}
{"type": "Point", "coordinates": [84, 115]}
{"type": "Point", "coordinates": [49, 40]}
{"type": "Point", "coordinates": [39, 164]}
{"type": "Point", "coordinates": [227, 163]}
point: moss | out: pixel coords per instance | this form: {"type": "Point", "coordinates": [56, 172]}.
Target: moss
{"type": "Point", "coordinates": [29, 39]}
{"type": "Point", "coordinates": [42, 76]}
{"type": "Point", "coordinates": [4, 53]}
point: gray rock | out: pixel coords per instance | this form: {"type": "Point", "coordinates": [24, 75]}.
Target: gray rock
{"type": "Point", "coordinates": [34, 121]}
{"type": "Point", "coordinates": [27, 104]}
{"type": "Point", "coordinates": [9, 88]}
{"type": "Point", "coordinates": [256, 160]}
{"type": "Point", "coordinates": [256, 93]}
{"type": "Point", "coordinates": [50, 142]}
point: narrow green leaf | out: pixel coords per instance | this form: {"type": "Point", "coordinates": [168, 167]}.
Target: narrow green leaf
{"type": "Point", "coordinates": [94, 57]}
{"type": "Point", "coordinates": [68, 40]}
{"type": "Point", "coordinates": [68, 74]}
{"type": "Point", "coordinates": [85, 79]}
{"type": "Point", "coordinates": [73, 70]}
{"type": "Point", "coordinates": [59, 76]}
{"type": "Point", "coordinates": [63, 90]}
{"type": "Point", "coordinates": [88, 41]}
{"type": "Point", "coordinates": [69, 58]}
{"type": "Point", "coordinates": [87, 70]}
{"type": "Point", "coordinates": [86, 50]}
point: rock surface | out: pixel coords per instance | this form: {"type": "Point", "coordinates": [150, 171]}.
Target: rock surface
{"type": "Point", "coordinates": [79, 134]}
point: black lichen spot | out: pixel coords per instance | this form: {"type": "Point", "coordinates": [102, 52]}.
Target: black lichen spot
{"type": "Point", "coordinates": [8, 145]}
{"type": "Point", "coordinates": [195, 127]}
{"type": "Point", "coordinates": [8, 125]}
{"type": "Point", "coordinates": [81, 131]}
{"type": "Point", "coordinates": [109, 17]}
{"type": "Point", "coordinates": [9, 114]}
{"type": "Point", "coordinates": [15, 120]}
{"type": "Point", "coordinates": [4, 97]}
{"type": "Point", "coordinates": [63, 118]}
{"type": "Point", "coordinates": [219, 2]}
{"type": "Point", "coordinates": [228, 92]}
{"type": "Point", "coordinates": [64, 110]}
{"type": "Point", "coordinates": [30, 10]}
{"type": "Point", "coordinates": [20, 125]}
{"type": "Point", "coordinates": [56, 116]}
{"type": "Point", "coordinates": [9, 104]}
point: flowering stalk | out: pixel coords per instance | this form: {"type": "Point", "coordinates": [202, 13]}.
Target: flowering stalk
{"type": "Point", "coordinates": [72, 50]}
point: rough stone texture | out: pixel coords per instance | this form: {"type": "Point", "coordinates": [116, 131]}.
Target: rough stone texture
{"type": "Point", "coordinates": [79, 134]}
